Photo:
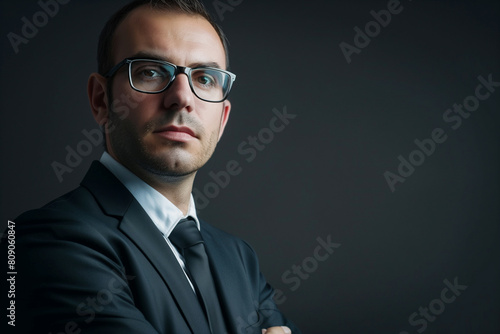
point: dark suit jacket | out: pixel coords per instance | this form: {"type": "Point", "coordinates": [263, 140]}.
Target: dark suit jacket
{"type": "Point", "coordinates": [92, 261]}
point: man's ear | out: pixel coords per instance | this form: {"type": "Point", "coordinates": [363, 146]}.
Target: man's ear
{"type": "Point", "coordinates": [98, 97]}
{"type": "Point", "coordinates": [226, 109]}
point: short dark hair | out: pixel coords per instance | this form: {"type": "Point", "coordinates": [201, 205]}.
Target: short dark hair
{"type": "Point", "coordinates": [192, 7]}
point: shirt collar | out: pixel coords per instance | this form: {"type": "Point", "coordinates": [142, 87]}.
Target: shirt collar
{"type": "Point", "coordinates": [164, 214]}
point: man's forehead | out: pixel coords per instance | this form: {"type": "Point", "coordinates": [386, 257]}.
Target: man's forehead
{"type": "Point", "coordinates": [159, 30]}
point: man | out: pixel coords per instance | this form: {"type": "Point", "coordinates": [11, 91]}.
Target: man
{"type": "Point", "coordinates": [117, 254]}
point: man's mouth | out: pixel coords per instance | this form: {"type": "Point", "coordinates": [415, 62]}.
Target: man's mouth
{"type": "Point", "coordinates": [176, 133]}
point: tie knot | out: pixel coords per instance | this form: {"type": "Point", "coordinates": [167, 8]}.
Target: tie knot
{"type": "Point", "coordinates": [185, 234]}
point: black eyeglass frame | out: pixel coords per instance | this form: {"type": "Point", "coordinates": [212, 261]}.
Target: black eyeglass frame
{"type": "Point", "coordinates": [178, 69]}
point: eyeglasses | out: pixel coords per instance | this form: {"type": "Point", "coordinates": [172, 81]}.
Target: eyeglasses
{"type": "Point", "coordinates": [155, 76]}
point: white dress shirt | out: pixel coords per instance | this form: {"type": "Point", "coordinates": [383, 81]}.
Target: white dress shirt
{"type": "Point", "coordinates": [162, 212]}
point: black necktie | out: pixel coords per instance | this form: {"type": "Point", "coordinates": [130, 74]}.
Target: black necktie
{"type": "Point", "coordinates": [187, 238]}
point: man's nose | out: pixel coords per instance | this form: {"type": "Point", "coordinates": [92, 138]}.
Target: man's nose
{"type": "Point", "coordinates": [179, 94]}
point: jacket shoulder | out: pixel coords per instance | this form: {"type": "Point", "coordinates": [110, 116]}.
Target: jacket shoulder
{"type": "Point", "coordinates": [75, 217]}
{"type": "Point", "coordinates": [73, 203]}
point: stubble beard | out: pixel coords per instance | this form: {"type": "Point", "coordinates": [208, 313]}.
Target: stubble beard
{"type": "Point", "coordinates": [130, 148]}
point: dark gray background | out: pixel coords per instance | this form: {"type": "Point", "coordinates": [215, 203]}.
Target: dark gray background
{"type": "Point", "coordinates": [323, 174]}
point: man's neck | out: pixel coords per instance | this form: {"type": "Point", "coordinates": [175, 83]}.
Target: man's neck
{"type": "Point", "coordinates": [177, 189]}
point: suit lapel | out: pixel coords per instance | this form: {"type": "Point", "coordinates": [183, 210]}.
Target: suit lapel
{"type": "Point", "coordinates": [116, 200]}
{"type": "Point", "coordinates": [137, 225]}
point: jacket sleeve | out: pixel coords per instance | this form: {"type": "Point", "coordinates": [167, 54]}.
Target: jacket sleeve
{"type": "Point", "coordinates": [268, 313]}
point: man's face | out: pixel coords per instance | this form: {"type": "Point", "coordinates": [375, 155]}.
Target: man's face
{"type": "Point", "coordinates": [172, 133]}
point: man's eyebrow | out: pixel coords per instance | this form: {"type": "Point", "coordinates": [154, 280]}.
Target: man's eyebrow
{"type": "Point", "coordinates": [147, 55]}
{"type": "Point", "coordinates": [153, 56]}
{"type": "Point", "coordinates": [206, 64]}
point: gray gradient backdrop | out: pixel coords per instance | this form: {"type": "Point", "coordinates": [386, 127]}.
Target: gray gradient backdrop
{"type": "Point", "coordinates": [322, 176]}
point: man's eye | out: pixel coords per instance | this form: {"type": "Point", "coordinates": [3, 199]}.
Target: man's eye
{"type": "Point", "coordinates": [148, 72]}
{"type": "Point", "coordinates": [206, 80]}
{"type": "Point", "coordinates": [151, 73]}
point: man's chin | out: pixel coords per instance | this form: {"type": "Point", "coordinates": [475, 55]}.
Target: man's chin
{"type": "Point", "coordinates": [170, 169]}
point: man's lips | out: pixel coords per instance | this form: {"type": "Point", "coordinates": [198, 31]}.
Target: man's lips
{"type": "Point", "coordinates": [176, 133]}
